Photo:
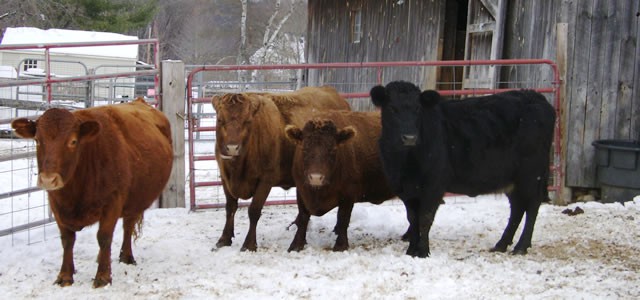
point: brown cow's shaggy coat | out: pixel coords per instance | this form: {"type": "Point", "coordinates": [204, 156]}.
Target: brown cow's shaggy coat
{"type": "Point", "coordinates": [336, 164]}
{"type": "Point", "coordinates": [252, 151]}
{"type": "Point", "coordinates": [97, 165]}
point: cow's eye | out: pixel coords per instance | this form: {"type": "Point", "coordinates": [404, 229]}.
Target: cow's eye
{"type": "Point", "coordinates": [73, 143]}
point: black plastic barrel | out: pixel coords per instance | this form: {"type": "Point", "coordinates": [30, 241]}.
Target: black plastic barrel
{"type": "Point", "coordinates": [618, 169]}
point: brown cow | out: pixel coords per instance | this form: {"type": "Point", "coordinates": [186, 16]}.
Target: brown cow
{"type": "Point", "coordinates": [252, 151]}
{"type": "Point", "coordinates": [336, 163]}
{"type": "Point", "coordinates": [97, 165]}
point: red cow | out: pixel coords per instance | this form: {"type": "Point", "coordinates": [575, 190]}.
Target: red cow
{"type": "Point", "coordinates": [97, 165]}
{"type": "Point", "coordinates": [252, 151]}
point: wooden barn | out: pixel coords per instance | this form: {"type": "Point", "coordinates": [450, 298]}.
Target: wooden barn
{"type": "Point", "coordinates": [594, 42]}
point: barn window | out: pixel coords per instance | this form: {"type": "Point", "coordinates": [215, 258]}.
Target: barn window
{"type": "Point", "coordinates": [29, 64]}
{"type": "Point", "coordinates": [356, 26]}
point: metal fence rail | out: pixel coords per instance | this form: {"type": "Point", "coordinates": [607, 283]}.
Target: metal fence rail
{"type": "Point", "coordinates": [206, 177]}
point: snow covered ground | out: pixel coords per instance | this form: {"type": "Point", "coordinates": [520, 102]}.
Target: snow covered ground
{"type": "Point", "coordinates": [594, 255]}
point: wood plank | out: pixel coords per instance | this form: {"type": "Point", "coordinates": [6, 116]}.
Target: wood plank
{"type": "Point", "coordinates": [562, 36]}
{"type": "Point", "coordinates": [173, 95]}
{"type": "Point", "coordinates": [628, 30]}
{"type": "Point", "coordinates": [610, 65]}
{"type": "Point", "coordinates": [635, 99]}
{"type": "Point", "coordinates": [481, 27]}
{"type": "Point", "coordinates": [579, 71]}
{"type": "Point", "coordinates": [599, 52]}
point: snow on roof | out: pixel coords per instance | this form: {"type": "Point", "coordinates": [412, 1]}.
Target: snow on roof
{"type": "Point", "coordinates": [31, 35]}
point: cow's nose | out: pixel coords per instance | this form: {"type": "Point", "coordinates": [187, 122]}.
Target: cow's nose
{"type": "Point", "coordinates": [409, 139]}
{"type": "Point", "coordinates": [233, 149]}
{"type": "Point", "coordinates": [50, 181]}
{"type": "Point", "coordinates": [316, 179]}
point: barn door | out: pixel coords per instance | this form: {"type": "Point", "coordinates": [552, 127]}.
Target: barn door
{"type": "Point", "coordinates": [485, 30]}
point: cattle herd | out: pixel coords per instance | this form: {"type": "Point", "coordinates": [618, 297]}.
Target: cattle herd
{"type": "Point", "coordinates": [105, 163]}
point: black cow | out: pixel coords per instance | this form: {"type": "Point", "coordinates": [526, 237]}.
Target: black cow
{"type": "Point", "coordinates": [474, 146]}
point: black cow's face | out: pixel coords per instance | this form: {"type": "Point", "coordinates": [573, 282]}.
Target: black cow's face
{"type": "Point", "coordinates": [400, 108]}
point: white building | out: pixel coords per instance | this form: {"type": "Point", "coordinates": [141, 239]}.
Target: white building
{"type": "Point", "coordinates": [78, 61]}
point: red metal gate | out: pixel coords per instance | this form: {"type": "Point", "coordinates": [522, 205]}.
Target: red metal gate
{"type": "Point", "coordinates": [199, 101]}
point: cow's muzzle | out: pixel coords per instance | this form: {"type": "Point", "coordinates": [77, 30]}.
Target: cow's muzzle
{"type": "Point", "coordinates": [315, 179]}
{"type": "Point", "coordinates": [50, 181]}
{"type": "Point", "coordinates": [409, 139]}
{"type": "Point", "coordinates": [232, 150]}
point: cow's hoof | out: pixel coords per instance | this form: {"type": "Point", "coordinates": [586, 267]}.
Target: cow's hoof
{"type": "Point", "coordinates": [223, 243]}
{"type": "Point", "coordinates": [101, 282]}
{"type": "Point", "coordinates": [417, 252]}
{"type": "Point", "coordinates": [519, 252]}
{"type": "Point", "coordinates": [340, 248]}
{"type": "Point", "coordinates": [498, 248]}
{"type": "Point", "coordinates": [128, 259]}
{"type": "Point", "coordinates": [249, 248]}
{"type": "Point", "coordinates": [63, 281]}
{"type": "Point", "coordinates": [295, 248]}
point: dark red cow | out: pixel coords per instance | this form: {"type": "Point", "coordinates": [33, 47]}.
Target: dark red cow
{"type": "Point", "coordinates": [97, 165]}
{"type": "Point", "coordinates": [336, 164]}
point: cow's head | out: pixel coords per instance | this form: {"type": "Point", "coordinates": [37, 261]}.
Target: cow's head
{"type": "Point", "coordinates": [401, 105]}
{"type": "Point", "coordinates": [59, 138]}
{"type": "Point", "coordinates": [319, 140]}
{"type": "Point", "coordinates": [234, 113]}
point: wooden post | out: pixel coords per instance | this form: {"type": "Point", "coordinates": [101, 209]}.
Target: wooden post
{"type": "Point", "coordinates": [172, 87]}
{"type": "Point", "coordinates": [563, 196]}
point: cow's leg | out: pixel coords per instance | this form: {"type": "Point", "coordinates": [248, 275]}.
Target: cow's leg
{"type": "Point", "coordinates": [413, 236]}
{"type": "Point", "coordinates": [411, 217]}
{"type": "Point", "coordinates": [426, 215]}
{"type": "Point", "coordinates": [68, 239]}
{"type": "Point", "coordinates": [231, 206]}
{"type": "Point", "coordinates": [524, 242]}
{"type": "Point", "coordinates": [255, 210]}
{"type": "Point", "coordinates": [302, 220]}
{"type": "Point", "coordinates": [342, 225]}
{"type": "Point", "coordinates": [128, 226]}
{"type": "Point", "coordinates": [105, 237]}
{"type": "Point", "coordinates": [517, 211]}
{"type": "Point", "coordinates": [536, 193]}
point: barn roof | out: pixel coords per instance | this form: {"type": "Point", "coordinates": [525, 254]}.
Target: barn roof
{"type": "Point", "coordinates": [31, 35]}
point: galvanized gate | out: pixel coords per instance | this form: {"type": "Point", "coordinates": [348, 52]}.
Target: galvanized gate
{"type": "Point", "coordinates": [203, 82]}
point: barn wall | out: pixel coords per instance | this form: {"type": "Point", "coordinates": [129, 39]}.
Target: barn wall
{"type": "Point", "coordinates": [390, 33]}
{"type": "Point", "coordinates": [603, 70]}
{"type": "Point", "coordinates": [603, 64]}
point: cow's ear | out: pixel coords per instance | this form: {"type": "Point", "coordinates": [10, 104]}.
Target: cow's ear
{"type": "Point", "coordinates": [378, 96]}
{"type": "Point", "coordinates": [345, 134]}
{"type": "Point", "coordinates": [215, 100]}
{"type": "Point", "coordinates": [429, 98]}
{"type": "Point", "coordinates": [256, 105]}
{"type": "Point", "coordinates": [24, 128]}
{"type": "Point", "coordinates": [293, 133]}
{"type": "Point", "coordinates": [88, 130]}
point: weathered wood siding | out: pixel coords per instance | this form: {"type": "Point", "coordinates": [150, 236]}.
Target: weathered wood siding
{"type": "Point", "coordinates": [391, 32]}
{"type": "Point", "coordinates": [603, 64]}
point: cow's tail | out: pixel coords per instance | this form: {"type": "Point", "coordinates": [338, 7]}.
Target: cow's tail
{"type": "Point", "coordinates": [137, 230]}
